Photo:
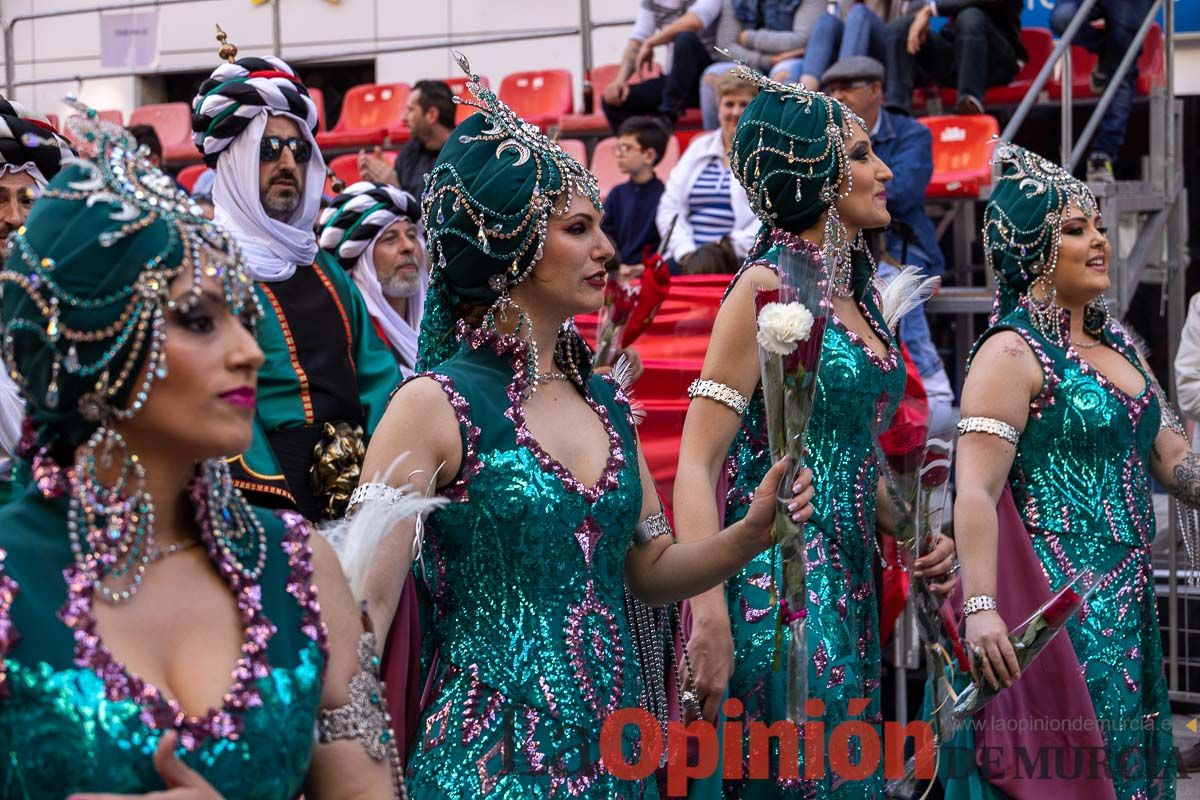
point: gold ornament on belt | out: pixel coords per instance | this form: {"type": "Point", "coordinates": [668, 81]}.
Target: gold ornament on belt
{"type": "Point", "coordinates": [337, 465]}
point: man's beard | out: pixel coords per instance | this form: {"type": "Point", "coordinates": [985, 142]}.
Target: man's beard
{"type": "Point", "coordinates": [282, 207]}
{"type": "Point", "coordinates": [402, 283]}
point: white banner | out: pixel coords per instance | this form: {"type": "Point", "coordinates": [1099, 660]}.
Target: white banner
{"type": "Point", "coordinates": [129, 39]}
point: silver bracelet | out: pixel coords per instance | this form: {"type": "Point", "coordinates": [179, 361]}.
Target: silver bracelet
{"type": "Point", "coordinates": [376, 492]}
{"type": "Point", "coordinates": [365, 718]}
{"type": "Point", "coordinates": [720, 392]}
{"type": "Point", "coordinates": [996, 427]}
{"type": "Point", "coordinates": [652, 527]}
{"type": "Point", "coordinates": [980, 602]}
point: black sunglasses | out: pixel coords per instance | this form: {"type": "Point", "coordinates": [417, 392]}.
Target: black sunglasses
{"type": "Point", "coordinates": [271, 149]}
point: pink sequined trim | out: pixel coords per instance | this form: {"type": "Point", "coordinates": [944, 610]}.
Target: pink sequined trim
{"type": "Point", "coordinates": [470, 432]}
{"type": "Point", "coordinates": [1135, 405]}
{"type": "Point", "coordinates": [518, 348]}
{"type": "Point", "coordinates": [603, 647]}
{"type": "Point", "coordinates": [296, 533]}
{"type": "Point", "coordinates": [158, 711]}
{"type": "Point", "coordinates": [8, 632]}
{"type": "Point", "coordinates": [888, 363]}
{"type": "Point", "coordinates": [51, 479]}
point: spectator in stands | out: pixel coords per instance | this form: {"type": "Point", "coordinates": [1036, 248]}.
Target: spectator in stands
{"type": "Point", "coordinates": [703, 200]}
{"type": "Point", "coordinates": [31, 152]}
{"type": "Point", "coordinates": [430, 118]}
{"type": "Point", "coordinates": [906, 146]}
{"type": "Point", "coordinates": [761, 33]}
{"type": "Point", "coordinates": [1109, 33]}
{"type": "Point", "coordinates": [1187, 362]}
{"type": "Point", "coordinates": [371, 229]}
{"type": "Point", "coordinates": [147, 137]}
{"type": "Point", "coordinates": [980, 46]}
{"type": "Point", "coordinates": [858, 29]}
{"type": "Point", "coordinates": [327, 377]}
{"type": "Point", "coordinates": [630, 208]}
{"type": "Point", "coordinates": [688, 29]}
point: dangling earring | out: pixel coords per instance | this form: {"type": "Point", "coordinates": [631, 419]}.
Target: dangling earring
{"type": "Point", "coordinates": [1045, 314]}
{"type": "Point", "coordinates": [228, 525]}
{"type": "Point", "coordinates": [836, 249]}
{"type": "Point", "coordinates": [1095, 316]}
{"type": "Point", "coordinates": [110, 526]}
{"type": "Point", "coordinates": [572, 355]}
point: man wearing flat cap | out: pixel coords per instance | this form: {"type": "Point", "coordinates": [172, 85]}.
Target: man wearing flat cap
{"type": "Point", "coordinates": [906, 146]}
{"type": "Point", "coordinates": [327, 376]}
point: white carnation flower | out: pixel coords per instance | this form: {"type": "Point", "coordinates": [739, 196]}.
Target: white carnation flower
{"type": "Point", "coordinates": [782, 325]}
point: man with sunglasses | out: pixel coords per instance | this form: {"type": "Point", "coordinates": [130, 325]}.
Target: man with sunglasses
{"type": "Point", "coordinates": [31, 152]}
{"type": "Point", "coordinates": [327, 376]}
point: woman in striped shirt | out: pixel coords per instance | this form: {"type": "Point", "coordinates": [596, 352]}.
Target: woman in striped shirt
{"type": "Point", "coordinates": [702, 196]}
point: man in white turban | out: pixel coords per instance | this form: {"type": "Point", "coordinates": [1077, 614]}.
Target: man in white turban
{"type": "Point", "coordinates": [327, 376]}
{"type": "Point", "coordinates": [373, 230]}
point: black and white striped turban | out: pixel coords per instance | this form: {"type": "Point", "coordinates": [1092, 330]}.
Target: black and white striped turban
{"type": "Point", "coordinates": [28, 138]}
{"type": "Point", "coordinates": [238, 92]}
{"type": "Point", "coordinates": [359, 214]}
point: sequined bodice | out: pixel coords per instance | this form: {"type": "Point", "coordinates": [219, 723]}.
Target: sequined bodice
{"type": "Point", "coordinates": [524, 567]}
{"type": "Point", "coordinates": [854, 388]}
{"type": "Point", "coordinates": [72, 719]}
{"type": "Point", "coordinates": [1081, 463]}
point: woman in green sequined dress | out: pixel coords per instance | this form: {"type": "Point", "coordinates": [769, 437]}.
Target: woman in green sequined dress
{"type": "Point", "coordinates": [807, 164]}
{"type": "Point", "coordinates": [155, 633]}
{"type": "Point", "coordinates": [525, 574]}
{"type": "Point", "coordinates": [1062, 415]}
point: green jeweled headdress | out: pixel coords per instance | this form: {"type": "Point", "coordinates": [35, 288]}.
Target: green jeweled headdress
{"type": "Point", "coordinates": [486, 206]}
{"type": "Point", "coordinates": [1022, 225]}
{"type": "Point", "coordinates": [88, 279]}
{"type": "Point", "coordinates": [789, 153]}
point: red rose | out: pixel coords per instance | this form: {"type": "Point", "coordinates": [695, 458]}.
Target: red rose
{"type": "Point", "coordinates": [622, 299]}
{"type": "Point", "coordinates": [1061, 607]}
{"type": "Point", "coordinates": [935, 470]}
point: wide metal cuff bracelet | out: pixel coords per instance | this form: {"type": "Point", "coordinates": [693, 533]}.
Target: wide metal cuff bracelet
{"type": "Point", "coordinates": [980, 602]}
{"type": "Point", "coordinates": [376, 492]}
{"type": "Point", "coordinates": [651, 528]}
{"type": "Point", "coordinates": [720, 392]}
{"type": "Point", "coordinates": [996, 427]}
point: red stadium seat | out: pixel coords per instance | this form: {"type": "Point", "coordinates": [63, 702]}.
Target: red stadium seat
{"type": "Point", "coordinates": [368, 111]}
{"type": "Point", "coordinates": [458, 87]}
{"type": "Point", "coordinates": [345, 167]}
{"type": "Point", "coordinates": [173, 123]}
{"type": "Point", "coordinates": [576, 149]}
{"type": "Point", "coordinates": [1151, 66]}
{"type": "Point", "coordinates": [595, 123]}
{"type": "Point", "coordinates": [188, 175]}
{"type": "Point", "coordinates": [319, 98]}
{"type": "Point", "coordinates": [540, 97]}
{"type": "Point", "coordinates": [604, 163]}
{"type": "Point", "coordinates": [962, 152]}
{"type": "Point", "coordinates": [1038, 44]}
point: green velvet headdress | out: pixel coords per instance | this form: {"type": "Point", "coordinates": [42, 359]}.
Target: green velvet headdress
{"type": "Point", "coordinates": [1022, 225]}
{"type": "Point", "coordinates": [789, 153]}
{"type": "Point", "coordinates": [486, 207]}
{"type": "Point", "coordinates": [89, 278]}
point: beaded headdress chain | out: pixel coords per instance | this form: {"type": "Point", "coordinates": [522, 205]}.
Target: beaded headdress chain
{"type": "Point", "coordinates": [509, 243]}
{"type": "Point", "coordinates": [1022, 233]}
{"type": "Point", "coordinates": [111, 522]}
{"type": "Point", "coordinates": [829, 167]}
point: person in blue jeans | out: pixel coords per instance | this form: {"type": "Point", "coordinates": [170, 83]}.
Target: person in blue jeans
{"type": "Point", "coordinates": [1110, 41]}
{"type": "Point", "coordinates": [858, 29]}
{"type": "Point", "coordinates": [906, 146]}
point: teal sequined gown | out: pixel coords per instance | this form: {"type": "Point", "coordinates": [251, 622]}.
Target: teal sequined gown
{"type": "Point", "coordinates": [73, 719]}
{"type": "Point", "coordinates": [521, 578]}
{"type": "Point", "coordinates": [855, 389]}
{"type": "Point", "coordinates": [1081, 482]}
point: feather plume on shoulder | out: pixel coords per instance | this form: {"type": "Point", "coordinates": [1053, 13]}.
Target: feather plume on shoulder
{"type": "Point", "coordinates": [622, 375]}
{"type": "Point", "coordinates": [376, 509]}
{"type": "Point", "coordinates": [903, 293]}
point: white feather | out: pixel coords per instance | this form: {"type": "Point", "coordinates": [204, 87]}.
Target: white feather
{"type": "Point", "coordinates": [357, 537]}
{"type": "Point", "coordinates": [622, 373]}
{"type": "Point", "coordinates": [903, 293]}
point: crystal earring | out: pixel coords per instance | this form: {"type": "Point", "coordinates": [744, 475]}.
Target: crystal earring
{"type": "Point", "coordinates": [836, 249]}
{"type": "Point", "coordinates": [228, 524]}
{"type": "Point", "coordinates": [110, 524]}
